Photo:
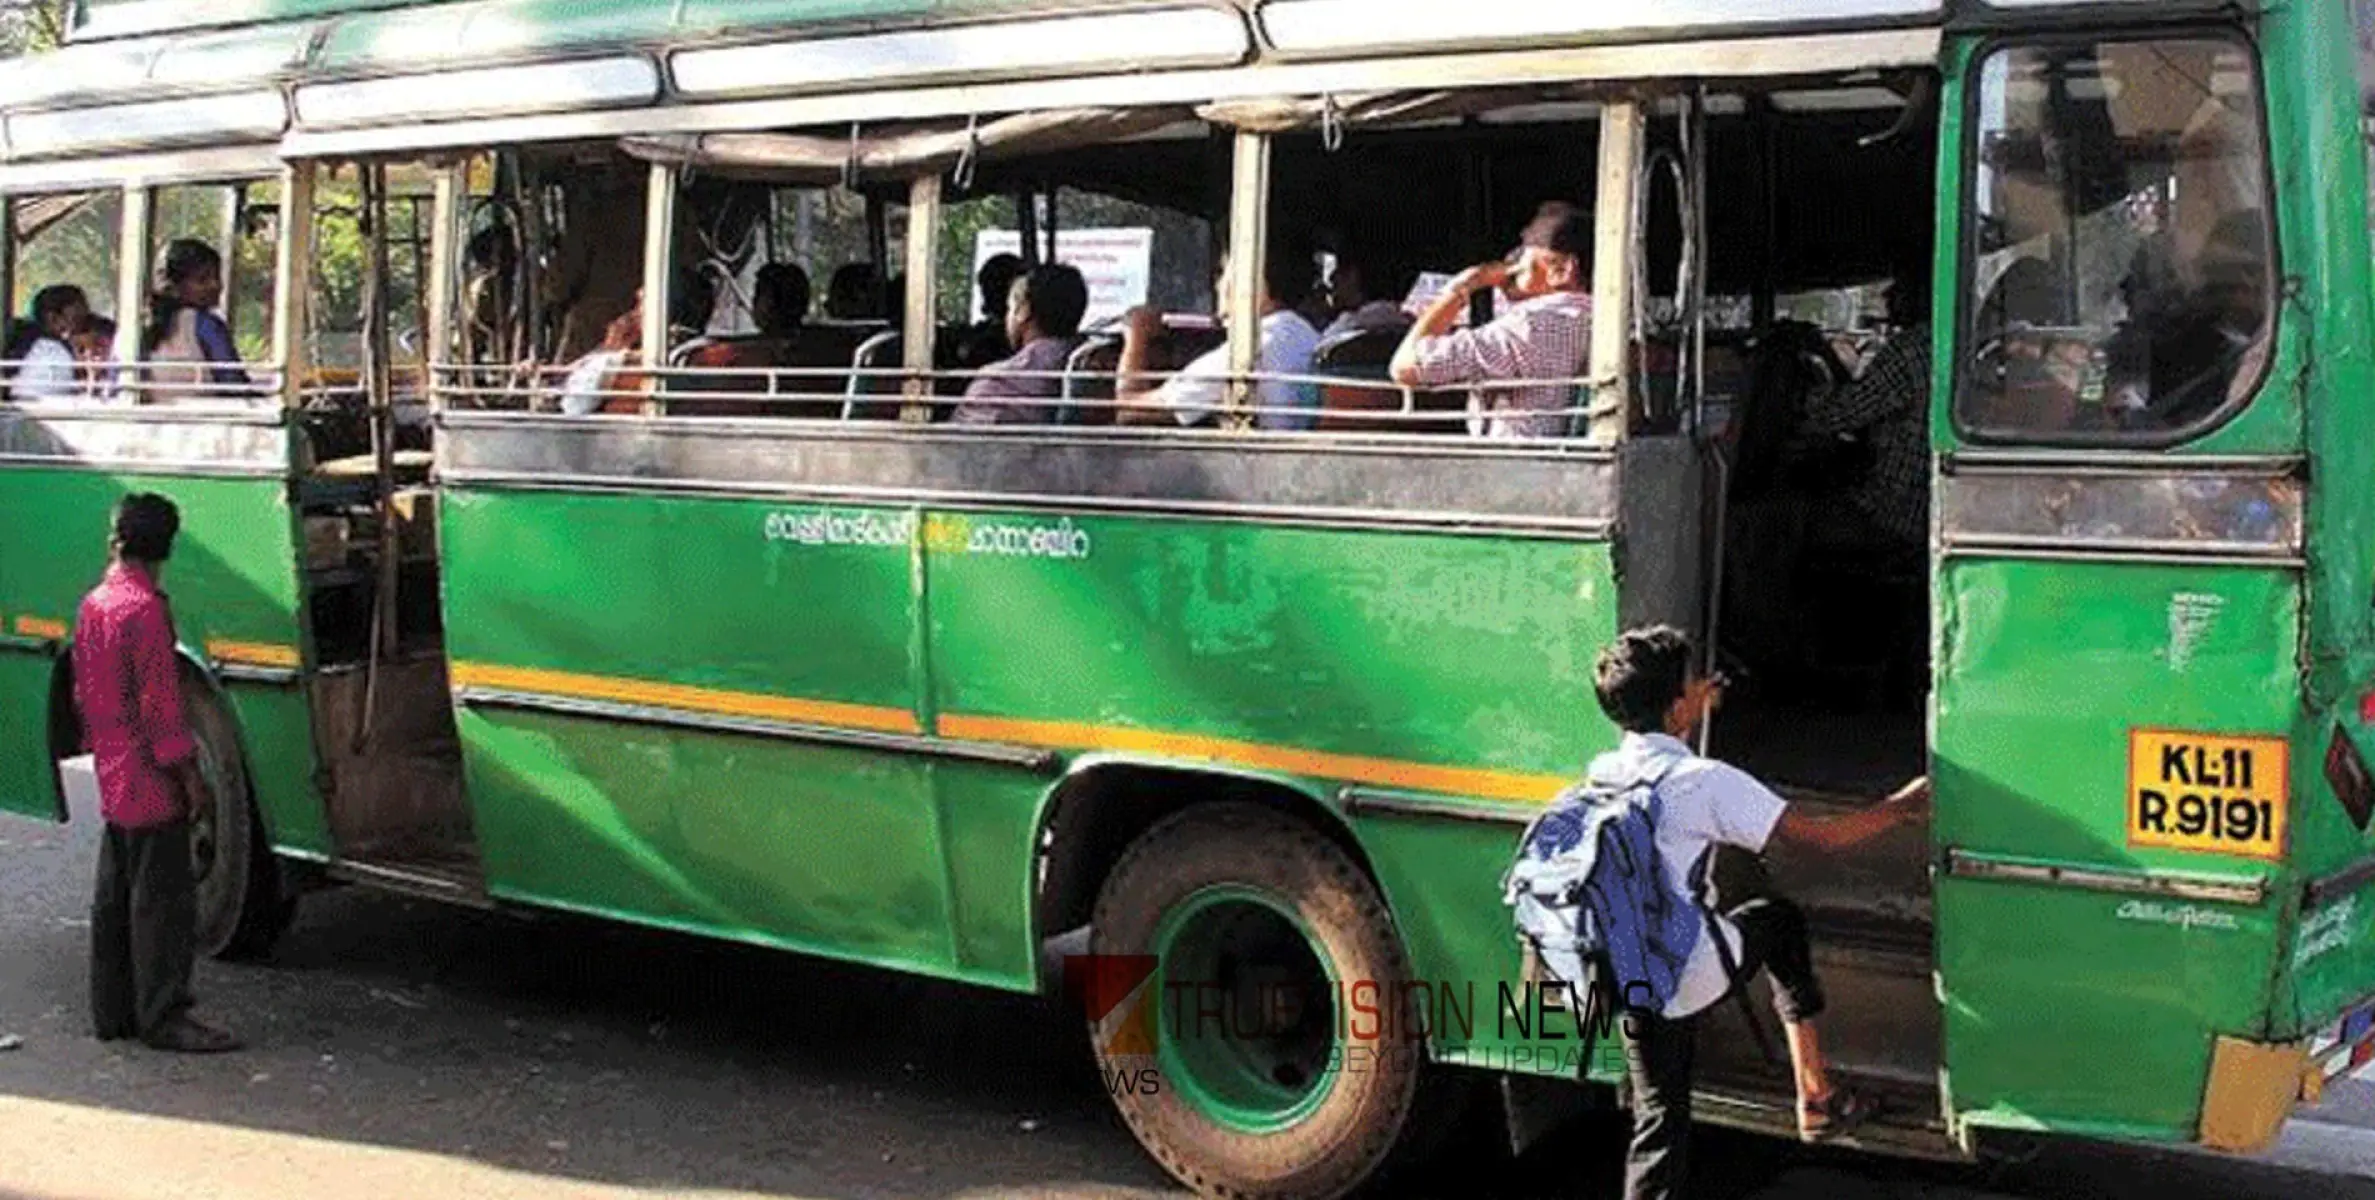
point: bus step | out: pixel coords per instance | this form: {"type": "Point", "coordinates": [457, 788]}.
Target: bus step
{"type": "Point", "coordinates": [1907, 1126]}
{"type": "Point", "coordinates": [449, 883]}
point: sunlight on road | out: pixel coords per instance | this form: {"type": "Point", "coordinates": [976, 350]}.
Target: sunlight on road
{"type": "Point", "coordinates": [74, 1152]}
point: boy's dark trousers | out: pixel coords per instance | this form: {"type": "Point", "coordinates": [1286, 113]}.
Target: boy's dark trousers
{"type": "Point", "coordinates": [1659, 1051]}
{"type": "Point", "coordinates": [143, 930]}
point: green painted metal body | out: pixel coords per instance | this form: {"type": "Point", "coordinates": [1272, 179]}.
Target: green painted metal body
{"type": "Point", "coordinates": [1315, 658]}
{"type": "Point", "coordinates": [1231, 642]}
{"type": "Point", "coordinates": [233, 578]}
{"type": "Point", "coordinates": [2073, 1011]}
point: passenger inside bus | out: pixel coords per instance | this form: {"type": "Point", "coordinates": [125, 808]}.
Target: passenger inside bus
{"type": "Point", "coordinates": [1537, 347]}
{"type": "Point", "coordinates": [778, 307]}
{"type": "Point", "coordinates": [41, 349]}
{"type": "Point", "coordinates": [1354, 307]}
{"type": "Point", "coordinates": [1043, 313]}
{"type": "Point", "coordinates": [986, 341]}
{"type": "Point", "coordinates": [1197, 394]}
{"type": "Point", "coordinates": [1886, 406]}
{"type": "Point", "coordinates": [856, 293]}
{"type": "Point", "coordinates": [2177, 354]}
{"type": "Point", "coordinates": [606, 380]}
{"type": "Point", "coordinates": [184, 328]}
{"type": "Point", "coordinates": [94, 348]}
{"type": "Point", "coordinates": [593, 381]}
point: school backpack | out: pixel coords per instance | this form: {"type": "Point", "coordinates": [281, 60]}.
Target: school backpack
{"type": "Point", "coordinates": [1588, 894]}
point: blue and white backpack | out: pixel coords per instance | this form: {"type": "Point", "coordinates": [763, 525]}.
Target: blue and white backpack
{"type": "Point", "coordinates": [1588, 893]}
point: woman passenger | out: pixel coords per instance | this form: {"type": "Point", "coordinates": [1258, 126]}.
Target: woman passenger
{"type": "Point", "coordinates": [183, 326]}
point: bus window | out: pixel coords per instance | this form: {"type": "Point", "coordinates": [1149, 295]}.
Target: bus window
{"type": "Point", "coordinates": [826, 233]}
{"type": "Point", "coordinates": [1400, 213]}
{"type": "Point", "coordinates": [1086, 234]}
{"type": "Point", "coordinates": [233, 220]}
{"type": "Point", "coordinates": [781, 305]}
{"type": "Point", "coordinates": [341, 246]}
{"type": "Point", "coordinates": [2120, 256]}
{"type": "Point", "coordinates": [1127, 253]}
{"type": "Point", "coordinates": [65, 241]}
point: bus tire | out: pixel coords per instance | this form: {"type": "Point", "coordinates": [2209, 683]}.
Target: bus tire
{"type": "Point", "coordinates": [1230, 899]}
{"type": "Point", "coordinates": [242, 910]}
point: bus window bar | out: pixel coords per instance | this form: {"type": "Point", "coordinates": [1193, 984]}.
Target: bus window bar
{"type": "Point", "coordinates": [2060, 464]}
{"type": "Point", "coordinates": [121, 383]}
{"type": "Point", "coordinates": [861, 391]}
{"type": "Point", "coordinates": [114, 410]}
{"type": "Point", "coordinates": [2249, 891]}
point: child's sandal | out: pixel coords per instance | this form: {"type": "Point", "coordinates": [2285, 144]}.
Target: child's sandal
{"type": "Point", "coordinates": [1834, 1116]}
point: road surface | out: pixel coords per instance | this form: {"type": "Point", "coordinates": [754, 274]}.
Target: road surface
{"type": "Point", "coordinates": [400, 1048]}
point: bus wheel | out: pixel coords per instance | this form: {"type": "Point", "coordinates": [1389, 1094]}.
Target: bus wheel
{"type": "Point", "coordinates": [1257, 1056]}
{"type": "Point", "coordinates": [241, 908]}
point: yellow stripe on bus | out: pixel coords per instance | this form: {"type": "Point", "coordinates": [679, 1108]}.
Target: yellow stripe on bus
{"type": "Point", "coordinates": [1477, 782]}
{"type": "Point", "coordinates": [41, 627]}
{"type": "Point", "coordinates": [689, 699]}
{"type": "Point", "coordinates": [254, 654]}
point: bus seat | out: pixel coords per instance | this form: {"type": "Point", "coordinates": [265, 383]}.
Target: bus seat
{"type": "Point", "coordinates": [873, 396]}
{"type": "Point", "coordinates": [1727, 376]}
{"type": "Point", "coordinates": [1088, 376]}
{"type": "Point", "coordinates": [1187, 339]}
{"type": "Point", "coordinates": [951, 373]}
{"type": "Point", "coordinates": [1363, 356]}
{"type": "Point", "coordinates": [690, 395]}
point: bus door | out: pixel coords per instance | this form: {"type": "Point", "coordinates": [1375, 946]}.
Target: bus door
{"type": "Point", "coordinates": [2117, 607]}
{"type": "Point", "coordinates": [378, 684]}
{"type": "Point", "coordinates": [1799, 352]}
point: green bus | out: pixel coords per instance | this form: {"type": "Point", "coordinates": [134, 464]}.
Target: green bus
{"type": "Point", "coordinates": [545, 562]}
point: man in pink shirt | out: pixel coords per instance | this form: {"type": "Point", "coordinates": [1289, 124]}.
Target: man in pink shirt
{"type": "Point", "coordinates": [1523, 365]}
{"type": "Point", "coordinates": [127, 686]}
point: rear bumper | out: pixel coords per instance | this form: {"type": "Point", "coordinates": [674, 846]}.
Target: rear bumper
{"type": "Point", "coordinates": [2252, 1090]}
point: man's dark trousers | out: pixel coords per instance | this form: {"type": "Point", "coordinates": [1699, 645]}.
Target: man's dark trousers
{"type": "Point", "coordinates": [143, 928]}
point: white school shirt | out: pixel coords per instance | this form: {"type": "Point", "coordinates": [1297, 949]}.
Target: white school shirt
{"type": "Point", "coordinates": [48, 373]}
{"type": "Point", "coordinates": [1287, 345]}
{"type": "Point", "coordinates": [1701, 804]}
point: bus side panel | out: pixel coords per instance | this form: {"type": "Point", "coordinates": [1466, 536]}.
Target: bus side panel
{"type": "Point", "coordinates": [697, 608]}
{"type": "Point", "coordinates": [1457, 667]}
{"type": "Point", "coordinates": [2331, 968]}
{"type": "Point", "coordinates": [276, 727]}
{"type": "Point", "coordinates": [2083, 1009]}
{"type": "Point", "coordinates": [989, 818]}
{"type": "Point", "coordinates": [233, 581]}
{"type": "Point", "coordinates": [27, 785]}
{"type": "Point", "coordinates": [1371, 657]}
{"type": "Point", "coordinates": [828, 851]}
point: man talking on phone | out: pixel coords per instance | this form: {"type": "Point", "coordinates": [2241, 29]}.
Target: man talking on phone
{"type": "Point", "coordinates": [1523, 365]}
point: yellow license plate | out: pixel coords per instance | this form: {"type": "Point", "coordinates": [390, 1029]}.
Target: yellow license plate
{"type": "Point", "coordinates": [2200, 791]}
